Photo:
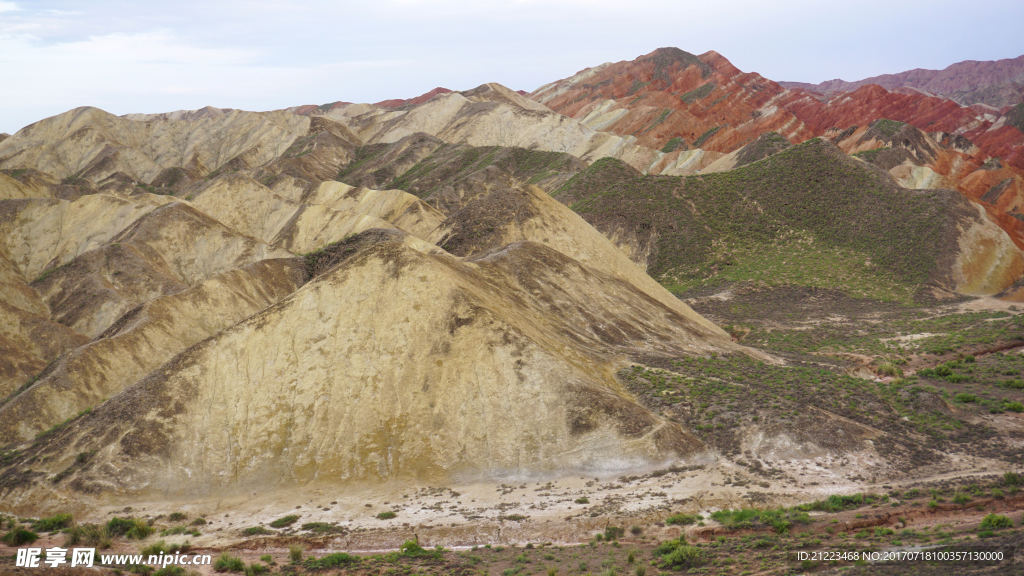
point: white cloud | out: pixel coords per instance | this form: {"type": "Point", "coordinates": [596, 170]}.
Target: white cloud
{"type": "Point", "coordinates": [8, 7]}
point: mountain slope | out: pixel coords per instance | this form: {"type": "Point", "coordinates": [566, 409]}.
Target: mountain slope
{"type": "Point", "coordinates": [808, 215]}
{"type": "Point", "coordinates": [516, 380]}
{"type": "Point", "coordinates": [998, 84]}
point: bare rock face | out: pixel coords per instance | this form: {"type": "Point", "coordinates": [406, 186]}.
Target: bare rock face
{"type": "Point", "coordinates": [141, 340]}
{"type": "Point", "coordinates": [479, 371]}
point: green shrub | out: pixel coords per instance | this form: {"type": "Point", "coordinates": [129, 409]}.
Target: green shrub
{"type": "Point", "coordinates": [120, 526]}
{"type": "Point", "coordinates": [889, 369]}
{"type": "Point", "coordinates": [198, 522]}
{"type": "Point", "coordinates": [53, 523]}
{"type": "Point", "coordinates": [583, 500]}
{"type": "Point", "coordinates": [132, 528]}
{"type": "Point", "coordinates": [256, 531]}
{"type": "Point", "coordinates": [386, 515]}
{"type": "Point", "coordinates": [19, 536]}
{"type": "Point", "coordinates": [683, 519]}
{"type": "Point", "coordinates": [961, 499]}
{"type": "Point", "coordinates": [411, 548]}
{"type": "Point", "coordinates": [284, 521]}
{"type": "Point", "coordinates": [1011, 478]}
{"type": "Point", "coordinates": [228, 563]}
{"type": "Point", "coordinates": [678, 555]}
{"type": "Point", "coordinates": [995, 522]}
{"type": "Point", "coordinates": [612, 533]}
{"type": "Point", "coordinates": [965, 397]}
{"type": "Point", "coordinates": [177, 516]}
{"type": "Point", "coordinates": [96, 536]}
{"type": "Point", "coordinates": [295, 554]}
{"type": "Point", "coordinates": [155, 549]}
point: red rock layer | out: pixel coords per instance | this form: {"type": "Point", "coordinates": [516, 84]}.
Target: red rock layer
{"type": "Point", "coordinates": [710, 103]}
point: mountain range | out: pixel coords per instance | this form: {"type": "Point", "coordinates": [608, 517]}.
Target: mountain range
{"type": "Point", "coordinates": [460, 287]}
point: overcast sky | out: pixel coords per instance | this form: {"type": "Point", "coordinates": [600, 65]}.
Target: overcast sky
{"type": "Point", "coordinates": [130, 56]}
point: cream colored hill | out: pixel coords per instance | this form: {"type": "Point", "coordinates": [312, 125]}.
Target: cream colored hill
{"type": "Point", "coordinates": [327, 213]}
{"type": "Point", "coordinates": [489, 117]}
{"type": "Point", "coordinates": [517, 214]}
{"type": "Point", "coordinates": [399, 362]}
{"type": "Point", "coordinates": [494, 92]}
{"type": "Point", "coordinates": [39, 235]}
{"type": "Point", "coordinates": [163, 252]}
{"type": "Point", "coordinates": [142, 340]}
{"type": "Point", "coordinates": [11, 189]}
{"type": "Point", "coordinates": [91, 144]}
{"type": "Point", "coordinates": [28, 339]}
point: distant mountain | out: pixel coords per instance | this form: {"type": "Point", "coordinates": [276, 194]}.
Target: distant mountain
{"type": "Point", "coordinates": [998, 84]}
{"type": "Point", "coordinates": [697, 109]}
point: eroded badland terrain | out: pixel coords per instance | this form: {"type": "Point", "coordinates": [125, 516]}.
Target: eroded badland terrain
{"type": "Point", "coordinates": [662, 315]}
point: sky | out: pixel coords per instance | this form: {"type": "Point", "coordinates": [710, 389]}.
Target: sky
{"type": "Point", "coordinates": [128, 56]}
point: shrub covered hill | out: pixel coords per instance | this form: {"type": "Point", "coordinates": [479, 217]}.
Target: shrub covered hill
{"type": "Point", "coordinates": [807, 216]}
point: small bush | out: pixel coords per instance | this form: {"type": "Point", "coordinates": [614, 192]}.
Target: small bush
{"type": "Point", "coordinates": [386, 515]}
{"type": "Point", "coordinates": [119, 526]}
{"type": "Point", "coordinates": [964, 397]}
{"type": "Point", "coordinates": [582, 500]}
{"type": "Point", "coordinates": [636, 530]}
{"type": "Point", "coordinates": [228, 563]}
{"type": "Point", "coordinates": [995, 522]}
{"type": "Point", "coordinates": [19, 536]}
{"type": "Point", "coordinates": [678, 555]}
{"type": "Point", "coordinates": [177, 516]}
{"type": "Point", "coordinates": [198, 522]}
{"type": "Point", "coordinates": [889, 369]}
{"type": "Point", "coordinates": [411, 548]}
{"type": "Point", "coordinates": [256, 531]}
{"type": "Point", "coordinates": [295, 554]}
{"type": "Point", "coordinates": [155, 549]}
{"type": "Point", "coordinates": [284, 521]}
{"type": "Point", "coordinates": [683, 519]}
{"type": "Point", "coordinates": [961, 499]}
{"type": "Point", "coordinates": [1011, 478]}
{"type": "Point", "coordinates": [53, 523]}
{"type": "Point", "coordinates": [97, 536]}
{"type": "Point", "coordinates": [613, 533]}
